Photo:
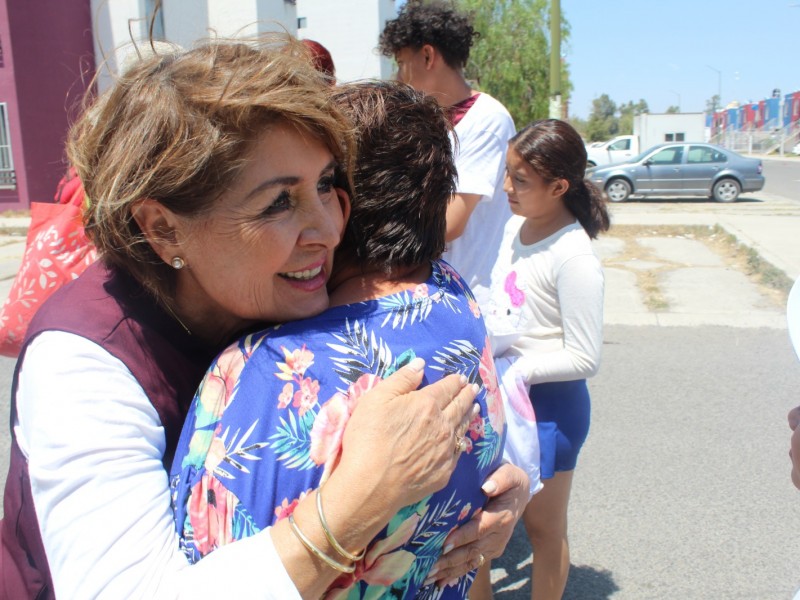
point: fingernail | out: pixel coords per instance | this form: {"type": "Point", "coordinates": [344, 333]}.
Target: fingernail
{"type": "Point", "coordinates": [433, 572]}
{"type": "Point", "coordinates": [476, 388]}
{"type": "Point", "coordinates": [452, 582]}
{"type": "Point", "coordinates": [448, 548]}
{"type": "Point", "coordinates": [417, 364]}
{"type": "Point", "coordinates": [463, 379]}
{"type": "Point", "coordinates": [489, 487]}
{"type": "Point", "coordinates": [476, 409]}
{"type": "Point", "coordinates": [428, 581]}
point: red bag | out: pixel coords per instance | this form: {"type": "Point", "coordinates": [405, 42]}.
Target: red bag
{"type": "Point", "coordinates": [56, 252]}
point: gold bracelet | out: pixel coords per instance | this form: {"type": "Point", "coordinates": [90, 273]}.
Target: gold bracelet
{"type": "Point", "coordinates": [336, 545]}
{"type": "Point", "coordinates": [317, 552]}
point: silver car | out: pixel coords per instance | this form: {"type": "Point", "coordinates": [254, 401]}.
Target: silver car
{"type": "Point", "coordinates": [681, 169]}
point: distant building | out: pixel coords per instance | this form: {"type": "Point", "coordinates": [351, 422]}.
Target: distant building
{"type": "Point", "coordinates": [46, 62]}
{"type": "Point", "coordinates": [349, 29]}
{"type": "Point", "coordinates": [50, 51]}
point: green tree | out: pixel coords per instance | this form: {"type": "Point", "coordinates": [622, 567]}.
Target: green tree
{"type": "Point", "coordinates": [712, 104]}
{"type": "Point", "coordinates": [626, 114]}
{"type": "Point", "coordinates": [603, 122]}
{"type": "Point", "coordinates": [579, 125]}
{"type": "Point", "coordinates": [673, 109]}
{"type": "Point", "coordinates": [511, 60]}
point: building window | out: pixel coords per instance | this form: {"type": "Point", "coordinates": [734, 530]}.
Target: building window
{"type": "Point", "coordinates": [669, 137]}
{"type": "Point", "coordinates": [674, 137]}
{"type": "Point", "coordinates": [302, 23]}
{"type": "Point", "coordinates": [8, 178]}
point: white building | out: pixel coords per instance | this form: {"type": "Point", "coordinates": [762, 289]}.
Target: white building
{"type": "Point", "coordinates": [349, 29]}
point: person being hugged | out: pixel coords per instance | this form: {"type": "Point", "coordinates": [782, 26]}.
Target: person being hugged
{"type": "Point", "coordinates": [546, 313]}
{"type": "Point", "coordinates": [264, 437]}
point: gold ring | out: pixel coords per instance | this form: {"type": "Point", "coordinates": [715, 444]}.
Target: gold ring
{"type": "Point", "coordinates": [461, 444]}
{"type": "Point", "coordinates": [481, 560]}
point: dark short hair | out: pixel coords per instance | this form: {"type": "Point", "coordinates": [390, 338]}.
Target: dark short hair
{"type": "Point", "coordinates": [554, 150]}
{"type": "Point", "coordinates": [435, 23]}
{"type": "Point", "coordinates": [403, 179]}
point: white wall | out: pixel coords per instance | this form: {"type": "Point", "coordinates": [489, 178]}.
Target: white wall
{"type": "Point", "coordinates": [114, 23]}
{"type": "Point", "coordinates": [651, 128]}
{"type": "Point", "coordinates": [349, 29]}
{"type": "Point", "coordinates": [184, 22]}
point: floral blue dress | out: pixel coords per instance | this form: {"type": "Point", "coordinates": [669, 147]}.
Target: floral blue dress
{"type": "Point", "coordinates": [266, 424]}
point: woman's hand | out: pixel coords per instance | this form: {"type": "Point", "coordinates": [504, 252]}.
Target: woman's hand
{"type": "Point", "coordinates": [402, 444]}
{"type": "Point", "coordinates": [487, 533]}
{"type": "Point", "coordinates": [398, 447]}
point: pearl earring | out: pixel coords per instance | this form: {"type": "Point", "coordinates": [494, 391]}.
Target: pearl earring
{"type": "Point", "coordinates": [178, 263]}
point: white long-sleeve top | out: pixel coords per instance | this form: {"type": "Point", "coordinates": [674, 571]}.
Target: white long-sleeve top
{"type": "Point", "coordinates": [546, 304]}
{"type": "Point", "coordinates": [94, 445]}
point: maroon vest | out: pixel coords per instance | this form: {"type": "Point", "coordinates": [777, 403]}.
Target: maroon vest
{"type": "Point", "coordinates": [112, 310]}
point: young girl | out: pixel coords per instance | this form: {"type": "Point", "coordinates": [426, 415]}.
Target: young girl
{"type": "Point", "coordinates": [546, 311]}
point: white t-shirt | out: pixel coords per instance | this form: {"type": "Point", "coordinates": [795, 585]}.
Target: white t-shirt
{"type": "Point", "coordinates": [483, 135]}
{"type": "Point", "coordinates": [546, 305]}
{"type": "Point", "coordinates": [94, 445]}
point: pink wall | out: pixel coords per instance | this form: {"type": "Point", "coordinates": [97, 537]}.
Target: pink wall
{"type": "Point", "coordinates": [8, 94]}
{"type": "Point", "coordinates": [46, 47]}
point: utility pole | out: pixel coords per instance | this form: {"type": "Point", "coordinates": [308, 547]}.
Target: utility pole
{"type": "Point", "coordinates": [555, 59]}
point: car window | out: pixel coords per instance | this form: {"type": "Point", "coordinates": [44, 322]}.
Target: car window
{"type": "Point", "coordinates": [704, 155]}
{"type": "Point", "coordinates": [667, 156]}
{"type": "Point", "coordinates": [621, 145]}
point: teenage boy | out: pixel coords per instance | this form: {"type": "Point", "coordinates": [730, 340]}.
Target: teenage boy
{"type": "Point", "coordinates": [430, 43]}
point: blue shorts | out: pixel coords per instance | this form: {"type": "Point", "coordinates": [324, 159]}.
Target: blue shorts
{"type": "Point", "coordinates": [563, 412]}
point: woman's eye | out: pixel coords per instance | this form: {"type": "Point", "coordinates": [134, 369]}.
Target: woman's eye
{"type": "Point", "coordinates": [281, 203]}
{"type": "Point", "coordinates": [325, 185]}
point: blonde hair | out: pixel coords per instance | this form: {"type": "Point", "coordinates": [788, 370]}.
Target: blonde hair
{"type": "Point", "coordinates": [177, 127]}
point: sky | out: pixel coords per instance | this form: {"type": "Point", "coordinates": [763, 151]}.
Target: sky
{"type": "Point", "coordinates": [680, 52]}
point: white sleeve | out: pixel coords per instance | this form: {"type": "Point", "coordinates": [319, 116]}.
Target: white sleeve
{"type": "Point", "coordinates": [480, 161]}
{"type": "Point", "coordinates": [580, 297]}
{"type": "Point", "coordinates": [94, 445]}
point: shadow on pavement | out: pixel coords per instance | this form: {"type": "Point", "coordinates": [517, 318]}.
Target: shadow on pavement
{"type": "Point", "coordinates": [589, 583]}
{"type": "Point", "coordinates": [511, 575]}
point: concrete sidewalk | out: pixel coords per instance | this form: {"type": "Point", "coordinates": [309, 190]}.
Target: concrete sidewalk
{"type": "Point", "coordinates": [774, 235]}
{"type": "Point", "coordinates": [771, 226]}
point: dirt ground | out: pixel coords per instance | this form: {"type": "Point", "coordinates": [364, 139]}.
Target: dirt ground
{"type": "Point", "coordinates": [773, 283]}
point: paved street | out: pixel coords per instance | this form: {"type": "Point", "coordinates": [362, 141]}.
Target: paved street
{"type": "Point", "coordinates": [683, 488]}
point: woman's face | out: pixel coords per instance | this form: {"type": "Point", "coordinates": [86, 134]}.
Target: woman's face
{"type": "Point", "coordinates": [529, 195]}
{"type": "Point", "coordinates": [265, 251]}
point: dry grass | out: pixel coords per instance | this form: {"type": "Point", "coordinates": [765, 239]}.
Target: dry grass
{"type": "Point", "coordinates": [772, 282]}
{"type": "Point", "coordinates": [15, 213]}
{"type": "Point", "coordinates": [14, 231]}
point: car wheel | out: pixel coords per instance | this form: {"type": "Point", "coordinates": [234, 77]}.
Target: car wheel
{"type": "Point", "coordinates": [726, 190]}
{"type": "Point", "coordinates": [618, 190]}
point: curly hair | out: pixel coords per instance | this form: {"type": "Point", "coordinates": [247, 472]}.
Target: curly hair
{"type": "Point", "coordinates": [555, 150]}
{"type": "Point", "coordinates": [436, 23]}
{"type": "Point", "coordinates": [404, 176]}
{"type": "Point", "coordinates": [177, 127]}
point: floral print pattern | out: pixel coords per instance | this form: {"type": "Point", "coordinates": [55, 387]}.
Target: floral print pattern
{"type": "Point", "coordinates": [267, 423]}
